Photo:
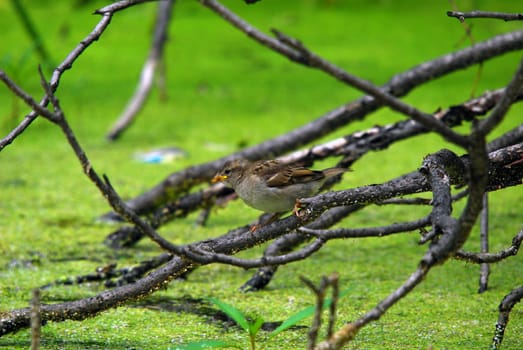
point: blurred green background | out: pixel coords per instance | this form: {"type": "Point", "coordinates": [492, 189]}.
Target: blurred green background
{"type": "Point", "coordinates": [224, 92]}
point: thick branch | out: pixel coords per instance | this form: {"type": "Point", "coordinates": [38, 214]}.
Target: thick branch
{"type": "Point", "coordinates": [505, 307]}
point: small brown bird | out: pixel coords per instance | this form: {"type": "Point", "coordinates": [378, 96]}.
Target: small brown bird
{"type": "Point", "coordinates": [272, 186]}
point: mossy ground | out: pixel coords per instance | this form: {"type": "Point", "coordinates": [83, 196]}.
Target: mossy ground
{"type": "Point", "coordinates": [226, 91]}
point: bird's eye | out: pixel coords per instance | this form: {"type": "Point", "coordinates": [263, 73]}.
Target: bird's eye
{"type": "Point", "coordinates": [227, 172]}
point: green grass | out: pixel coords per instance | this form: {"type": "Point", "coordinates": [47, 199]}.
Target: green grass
{"type": "Point", "coordinates": [226, 90]}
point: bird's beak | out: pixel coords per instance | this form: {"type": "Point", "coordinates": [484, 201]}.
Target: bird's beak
{"type": "Point", "coordinates": [218, 178]}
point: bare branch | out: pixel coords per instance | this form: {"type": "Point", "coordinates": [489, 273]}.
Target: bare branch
{"type": "Point", "coordinates": [254, 33]}
{"type": "Point", "coordinates": [26, 97]}
{"type": "Point", "coordinates": [380, 94]}
{"type": "Point", "coordinates": [482, 258]}
{"type": "Point", "coordinates": [104, 186]}
{"type": "Point", "coordinates": [320, 291]}
{"type": "Point", "coordinates": [511, 137]}
{"type": "Point", "coordinates": [147, 75]}
{"type": "Point", "coordinates": [505, 307]}
{"type": "Point", "coordinates": [119, 5]}
{"type": "Point", "coordinates": [368, 232]}
{"type": "Point", "coordinates": [485, 14]}
{"type": "Point", "coordinates": [438, 169]}
{"type": "Point", "coordinates": [107, 13]}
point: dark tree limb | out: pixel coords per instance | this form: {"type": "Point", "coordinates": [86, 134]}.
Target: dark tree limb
{"type": "Point", "coordinates": [505, 307]}
{"type": "Point", "coordinates": [381, 231]}
{"type": "Point", "coordinates": [486, 258]}
{"type": "Point", "coordinates": [434, 168]}
{"type": "Point", "coordinates": [288, 242]}
{"type": "Point", "coordinates": [511, 137]}
{"type": "Point", "coordinates": [461, 16]}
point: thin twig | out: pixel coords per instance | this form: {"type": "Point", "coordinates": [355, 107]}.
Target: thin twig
{"type": "Point", "coordinates": [485, 258]}
{"type": "Point", "coordinates": [207, 257]}
{"type": "Point", "coordinates": [40, 110]}
{"type": "Point", "coordinates": [320, 297]}
{"type": "Point", "coordinates": [484, 237]}
{"type": "Point", "coordinates": [485, 14]}
{"type": "Point", "coordinates": [368, 232]}
{"type": "Point", "coordinates": [107, 13]}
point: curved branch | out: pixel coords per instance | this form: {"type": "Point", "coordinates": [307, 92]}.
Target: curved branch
{"type": "Point", "coordinates": [207, 257]}
{"type": "Point", "coordinates": [505, 307]}
{"type": "Point", "coordinates": [107, 13]}
{"type": "Point", "coordinates": [480, 258]}
{"type": "Point", "coordinates": [146, 77]}
{"type": "Point", "coordinates": [381, 231]}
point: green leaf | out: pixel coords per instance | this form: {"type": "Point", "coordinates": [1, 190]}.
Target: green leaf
{"type": "Point", "coordinates": [255, 326]}
{"type": "Point", "coordinates": [232, 312]}
{"type": "Point", "coordinates": [205, 344]}
{"type": "Point", "coordinates": [307, 312]}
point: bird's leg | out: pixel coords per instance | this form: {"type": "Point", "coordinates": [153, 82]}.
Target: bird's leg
{"type": "Point", "coordinates": [265, 219]}
{"type": "Point", "coordinates": [297, 208]}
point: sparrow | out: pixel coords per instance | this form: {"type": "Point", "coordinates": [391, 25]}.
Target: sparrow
{"type": "Point", "coordinates": [272, 186]}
